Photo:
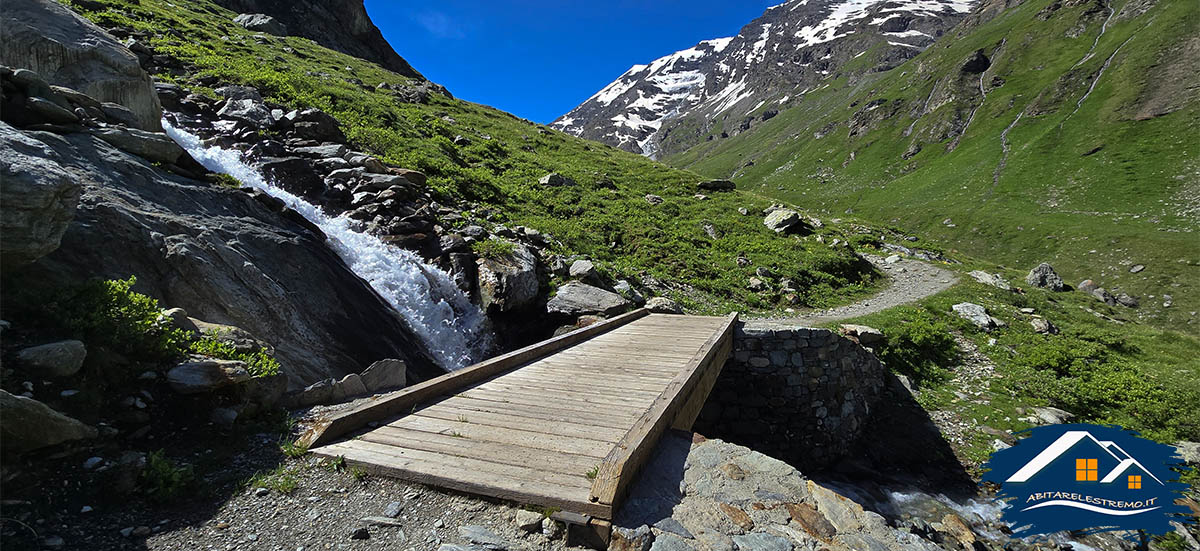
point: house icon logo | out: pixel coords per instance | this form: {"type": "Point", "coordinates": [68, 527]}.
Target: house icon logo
{"type": "Point", "coordinates": [1087, 477]}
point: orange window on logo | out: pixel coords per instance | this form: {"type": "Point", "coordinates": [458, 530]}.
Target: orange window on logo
{"type": "Point", "coordinates": [1086, 470]}
{"type": "Point", "coordinates": [1135, 482]}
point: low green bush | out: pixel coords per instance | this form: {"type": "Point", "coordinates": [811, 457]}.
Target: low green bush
{"type": "Point", "coordinates": [108, 313]}
{"type": "Point", "coordinates": [494, 249]}
{"type": "Point", "coordinates": [258, 363]}
{"type": "Point", "coordinates": [164, 480]}
{"type": "Point", "coordinates": [918, 346]}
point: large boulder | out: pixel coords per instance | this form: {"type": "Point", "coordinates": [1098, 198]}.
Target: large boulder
{"type": "Point", "coordinates": [710, 494]}
{"type": "Point", "coordinates": [977, 315]}
{"type": "Point", "coordinates": [222, 255]}
{"type": "Point", "coordinates": [56, 359]}
{"type": "Point", "coordinates": [782, 220]}
{"type": "Point", "coordinates": [663, 305]}
{"type": "Point", "coordinates": [154, 146]}
{"type": "Point", "coordinates": [995, 280]}
{"type": "Point", "coordinates": [384, 375]}
{"type": "Point", "coordinates": [577, 298]}
{"type": "Point", "coordinates": [315, 124]}
{"type": "Point", "coordinates": [1044, 276]}
{"type": "Point", "coordinates": [261, 23]}
{"type": "Point", "coordinates": [508, 283]}
{"type": "Point", "coordinates": [200, 376]}
{"type": "Point", "coordinates": [717, 185]}
{"type": "Point", "coordinates": [39, 198]}
{"type": "Point", "coordinates": [68, 50]}
{"type": "Point", "coordinates": [247, 110]}
{"type": "Point", "coordinates": [27, 424]}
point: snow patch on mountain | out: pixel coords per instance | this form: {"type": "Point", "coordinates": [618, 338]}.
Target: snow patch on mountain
{"type": "Point", "coordinates": [774, 56]}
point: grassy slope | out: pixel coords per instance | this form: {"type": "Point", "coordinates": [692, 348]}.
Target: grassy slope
{"type": "Point", "coordinates": [605, 216]}
{"type": "Point", "coordinates": [1091, 215]}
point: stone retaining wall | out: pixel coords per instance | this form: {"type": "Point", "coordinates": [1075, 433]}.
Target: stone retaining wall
{"type": "Point", "coordinates": [799, 394]}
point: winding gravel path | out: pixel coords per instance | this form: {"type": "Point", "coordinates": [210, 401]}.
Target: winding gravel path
{"type": "Point", "coordinates": [911, 280]}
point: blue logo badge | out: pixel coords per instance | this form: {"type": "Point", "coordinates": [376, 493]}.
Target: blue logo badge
{"type": "Point", "coordinates": [1087, 477]}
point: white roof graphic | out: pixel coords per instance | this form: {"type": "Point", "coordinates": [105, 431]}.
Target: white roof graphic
{"type": "Point", "coordinates": [1068, 441]}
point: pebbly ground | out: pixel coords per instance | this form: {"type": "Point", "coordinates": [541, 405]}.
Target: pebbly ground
{"type": "Point", "coordinates": [911, 280]}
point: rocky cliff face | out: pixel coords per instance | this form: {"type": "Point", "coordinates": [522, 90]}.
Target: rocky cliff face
{"type": "Point", "coordinates": [67, 50]}
{"type": "Point", "coordinates": [341, 25]}
{"type": "Point", "coordinates": [721, 87]}
{"type": "Point", "coordinates": [222, 254]}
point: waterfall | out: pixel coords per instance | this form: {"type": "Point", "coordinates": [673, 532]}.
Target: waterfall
{"type": "Point", "coordinates": [455, 332]}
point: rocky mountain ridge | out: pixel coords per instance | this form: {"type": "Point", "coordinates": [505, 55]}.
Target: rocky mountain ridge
{"type": "Point", "coordinates": [344, 26]}
{"type": "Point", "coordinates": [721, 87]}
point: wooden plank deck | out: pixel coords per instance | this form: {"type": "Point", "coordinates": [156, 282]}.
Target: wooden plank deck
{"type": "Point", "coordinates": [564, 423]}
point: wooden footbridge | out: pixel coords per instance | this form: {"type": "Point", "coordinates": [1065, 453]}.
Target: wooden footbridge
{"type": "Point", "coordinates": [566, 423]}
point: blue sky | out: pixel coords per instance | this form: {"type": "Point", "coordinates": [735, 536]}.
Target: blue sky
{"type": "Point", "coordinates": [539, 59]}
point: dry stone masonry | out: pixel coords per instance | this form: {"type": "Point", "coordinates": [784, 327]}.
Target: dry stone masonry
{"type": "Point", "coordinates": [795, 393]}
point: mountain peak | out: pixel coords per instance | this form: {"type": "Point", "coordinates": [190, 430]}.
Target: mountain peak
{"type": "Point", "coordinates": [783, 54]}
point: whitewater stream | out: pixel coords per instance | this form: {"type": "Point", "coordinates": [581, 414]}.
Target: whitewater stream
{"type": "Point", "coordinates": [455, 331]}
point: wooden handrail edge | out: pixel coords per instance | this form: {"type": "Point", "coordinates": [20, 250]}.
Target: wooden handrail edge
{"type": "Point", "coordinates": [607, 485]}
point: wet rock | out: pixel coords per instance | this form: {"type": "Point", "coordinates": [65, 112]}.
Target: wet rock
{"type": "Point", "coordinates": [247, 110]}
{"type": "Point", "coordinates": [56, 359]}
{"type": "Point", "coordinates": [957, 528]}
{"type": "Point", "coordinates": [509, 283]}
{"type": "Point", "coordinates": [577, 298]}
{"type": "Point", "coordinates": [30, 425]}
{"type": "Point", "coordinates": [1044, 276]}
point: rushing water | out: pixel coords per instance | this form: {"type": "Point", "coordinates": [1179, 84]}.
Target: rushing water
{"type": "Point", "coordinates": [454, 331]}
